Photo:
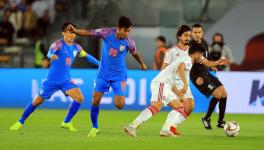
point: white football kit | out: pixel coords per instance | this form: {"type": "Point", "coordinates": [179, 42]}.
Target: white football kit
{"type": "Point", "coordinates": [161, 85]}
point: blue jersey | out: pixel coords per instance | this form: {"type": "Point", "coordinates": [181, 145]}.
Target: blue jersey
{"type": "Point", "coordinates": [113, 60]}
{"type": "Point", "coordinates": [60, 68]}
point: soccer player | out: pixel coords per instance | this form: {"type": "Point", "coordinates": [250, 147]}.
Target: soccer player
{"type": "Point", "coordinates": [62, 54]}
{"type": "Point", "coordinates": [208, 84]}
{"type": "Point", "coordinates": [176, 52]}
{"type": "Point", "coordinates": [112, 71]}
{"type": "Point", "coordinates": [170, 87]}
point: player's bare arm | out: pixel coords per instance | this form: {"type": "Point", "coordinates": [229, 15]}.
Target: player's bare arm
{"type": "Point", "coordinates": [81, 32]}
{"type": "Point", "coordinates": [209, 63]}
{"type": "Point", "coordinates": [177, 91]}
{"type": "Point", "coordinates": [182, 75]}
{"type": "Point", "coordinates": [138, 58]}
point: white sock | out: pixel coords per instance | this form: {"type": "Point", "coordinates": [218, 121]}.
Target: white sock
{"type": "Point", "coordinates": [143, 116]}
{"type": "Point", "coordinates": [171, 119]}
{"type": "Point", "coordinates": [174, 118]}
{"type": "Point", "coordinates": [179, 119]}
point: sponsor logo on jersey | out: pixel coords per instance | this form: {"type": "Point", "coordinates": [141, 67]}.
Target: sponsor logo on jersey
{"type": "Point", "coordinates": [122, 47]}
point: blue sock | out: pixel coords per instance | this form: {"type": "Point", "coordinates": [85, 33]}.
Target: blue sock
{"type": "Point", "coordinates": [72, 111]}
{"type": "Point", "coordinates": [28, 110]}
{"type": "Point", "coordinates": [94, 115]}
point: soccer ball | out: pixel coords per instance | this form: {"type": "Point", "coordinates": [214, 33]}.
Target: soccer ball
{"type": "Point", "coordinates": [232, 128]}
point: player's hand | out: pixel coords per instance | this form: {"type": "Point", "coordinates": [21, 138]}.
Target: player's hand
{"type": "Point", "coordinates": [143, 67]}
{"type": "Point", "coordinates": [214, 69]}
{"type": "Point", "coordinates": [178, 93]}
{"type": "Point", "coordinates": [184, 89]}
{"type": "Point", "coordinates": [222, 61]}
{"type": "Point", "coordinates": [54, 57]}
{"type": "Point", "coordinates": [71, 28]}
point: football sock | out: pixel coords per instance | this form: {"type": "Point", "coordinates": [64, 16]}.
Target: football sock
{"type": "Point", "coordinates": [211, 108]}
{"type": "Point", "coordinates": [144, 116]}
{"type": "Point", "coordinates": [222, 108]}
{"type": "Point", "coordinates": [28, 110]}
{"type": "Point", "coordinates": [94, 115]}
{"type": "Point", "coordinates": [74, 107]}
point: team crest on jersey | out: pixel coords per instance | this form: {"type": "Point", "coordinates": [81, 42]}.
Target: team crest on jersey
{"type": "Point", "coordinates": [122, 47]}
{"type": "Point", "coordinates": [75, 53]}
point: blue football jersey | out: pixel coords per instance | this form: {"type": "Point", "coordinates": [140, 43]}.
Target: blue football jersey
{"type": "Point", "coordinates": [60, 68]}
{"type": "Point", "coordinates": [113, 60]}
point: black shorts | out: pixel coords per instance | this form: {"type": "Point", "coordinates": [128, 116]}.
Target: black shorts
{"type": "Point", "coordinates": [210, 84]}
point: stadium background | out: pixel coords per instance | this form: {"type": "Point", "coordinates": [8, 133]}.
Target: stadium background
{"type": "Point", "coordinates": [238, 20]}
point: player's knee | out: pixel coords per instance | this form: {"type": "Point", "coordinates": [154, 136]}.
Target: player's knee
{"type": "Point", "coordinates": [199, 81]}
{"type": "Point", "coordinates": [189, 108]}
{"type": "Point", "coordinates": [79, 98]}
{"type": "Point", "coordinates": [224, 93]}
{"type": "Point", "coordinates": [157, 105]}
{"type": "Point", "coordinates": [119, 106]}
{"type": "Point", "coordinates": [218, 95]}
{"type": "Point", "coordinates": [37, 101]}
{"type": "Point", "coordinates": [96, 101]}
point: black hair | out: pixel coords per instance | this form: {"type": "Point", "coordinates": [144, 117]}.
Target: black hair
{"type": "Point", "coordinates": [65, 25]}
{"type": "Point", "coordinates": [161, 38]}
{"type": "Point", "coordinates": [124, 22]}
{"type": "Point", "coordinates": [197, 25]}
{"type": "Point", "coordinates": [182, 29]}
{"type": "Point", "coordinates": [196, 47]}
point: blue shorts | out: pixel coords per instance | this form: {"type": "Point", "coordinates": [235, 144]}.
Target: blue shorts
{"type": "Point", "coordinates": [48, 88]}
{"type": "Point", "coordinates": [102, 85]}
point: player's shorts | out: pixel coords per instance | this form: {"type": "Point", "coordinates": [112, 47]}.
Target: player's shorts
{"type": "Point", "coordinates": [103, 85]}
{"type": "Point", "coordinates": [162, 92]}
{"type": "Point", "coordinates": [210, 84]}
{"type": "Point", "coordinates": [48, 88]}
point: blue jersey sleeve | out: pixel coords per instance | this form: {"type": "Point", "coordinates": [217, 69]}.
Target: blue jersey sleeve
{"type": "Point", "coordinates": [102, 33]}
{"type": "Point", "coordinates": [54, 48]}
{"type": "Point", "coordinates": [131, 45]}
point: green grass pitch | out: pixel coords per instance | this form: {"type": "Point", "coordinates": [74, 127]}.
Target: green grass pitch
{"type": "Point", "coordinates": [42, 132]}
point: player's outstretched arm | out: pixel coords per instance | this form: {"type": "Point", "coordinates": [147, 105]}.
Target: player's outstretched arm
{"type": "Point", "coordinates": [209, 63]}
{"type": "Point", "coordinates": [81, 32]}
{"type": "Point", "coordinates": [138, 58]}
{"type": "Point", "coordinates": [89, 58]}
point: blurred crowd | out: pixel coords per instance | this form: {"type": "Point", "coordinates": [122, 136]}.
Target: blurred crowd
{"type": "Point", "coordinates": [24, 22]}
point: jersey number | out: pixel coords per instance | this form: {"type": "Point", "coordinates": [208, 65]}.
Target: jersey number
{"type": "Point", "coordinates": [68, 61]}
{"type": "Point", "coordinates": [113, 52]}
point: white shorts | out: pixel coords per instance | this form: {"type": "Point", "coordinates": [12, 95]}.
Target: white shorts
{"type": "Point", "coordinates": [163, 92]}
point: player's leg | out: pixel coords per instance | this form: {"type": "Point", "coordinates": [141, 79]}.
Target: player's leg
{"type": "Point", "coordinates": [119, 88]}
{"type": "Point", "coordinates": [101, 86]}
{"type": "Point", "coordinates": [46, 91]}
{"type": "Point", "coordinates": [174, 117]}
{"type": "Point", "coordinates": [218, 92]}
{"type": "Point", "coordinates": [221, 93]}
{"type": "Point", "coordinates": [70, 89]}
{"type": "Point", "coordinates": [157, 90]}
{"type": "Point", "coordinates": [209, 85]}
{"type": "Point", "coordinates": [145, 115]}
{"type": "Point", "coordinates": [181, 109]}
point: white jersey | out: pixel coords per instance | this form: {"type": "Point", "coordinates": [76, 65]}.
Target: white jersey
{"type": "Point", "coordinates": [169, 75]}
{"type": "Point", "coordinates": [174, 53]}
